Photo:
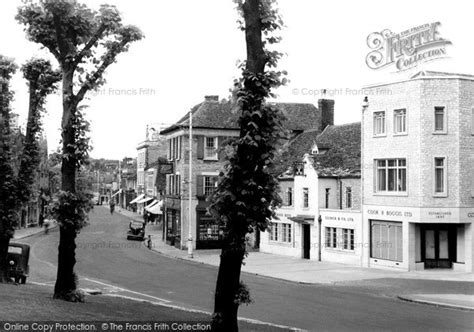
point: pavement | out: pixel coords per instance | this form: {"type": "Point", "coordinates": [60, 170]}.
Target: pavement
{"type": "Point", "coordinates": [30, 231]}
{"type": "Point", "coordinates": [314, 272]}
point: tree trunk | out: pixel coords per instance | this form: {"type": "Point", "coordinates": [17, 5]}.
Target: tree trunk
{"type": "Point", "coordinates": [66, 280]}
{"type": "Point", "coordinates": [226, 303]}
{"type": "Point", "coordinates": [227, 288]}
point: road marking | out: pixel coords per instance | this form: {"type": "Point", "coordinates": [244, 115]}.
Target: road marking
{"type": "Point", "coordinates": [127, 290]}
{"type": "Point", "coordinates": [177, 307]}
{"type": "Point", "coordinates": [41, 283]}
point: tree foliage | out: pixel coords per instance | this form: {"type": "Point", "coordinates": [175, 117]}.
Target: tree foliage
{"type": "Point", "coordinates": [7, 177]}
{"type": "Point", "coordinates": [8, 218]}
{"type": "Point", "coordinates": [85, 42]}
{"type": "Point", "coordinates": [42, 81]}
{"type": "Point", "coordinates": [247, 191]}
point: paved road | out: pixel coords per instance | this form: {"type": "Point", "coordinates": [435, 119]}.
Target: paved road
{"type": "Point", "coordinates": [106, 257]}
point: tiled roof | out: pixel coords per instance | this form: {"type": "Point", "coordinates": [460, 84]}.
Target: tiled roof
{"type": "Point", "coordinates": [339, 150]}
{"type": "Point", "coordinates": [222, 115]}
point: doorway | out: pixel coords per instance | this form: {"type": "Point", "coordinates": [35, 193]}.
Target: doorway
{"type": "Point", "coordinates": [306, 240]}
{"type": "Point", "coordinates": [438, 246]}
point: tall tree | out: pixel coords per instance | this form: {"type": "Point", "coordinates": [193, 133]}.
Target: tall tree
{"type": "Point", "coordinates": [41, 80]}
{"type": "Point", "coordinates": [85, 42]}
{"type": "Point", "coordinates": [247, 192]}
{"type": "Point", "coordinates": [8, 217]}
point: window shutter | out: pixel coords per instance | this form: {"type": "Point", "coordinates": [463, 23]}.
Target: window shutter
{"type": "Point", "coordinates": [200, 149]}
{"type": "Point", "coordinates": [220, 147]}
{"type": "Point", "coordinates": [200, 185]}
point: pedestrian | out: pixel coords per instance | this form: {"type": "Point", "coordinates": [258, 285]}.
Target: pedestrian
{"type": "Point", "coordinates": [112, 207]}
{"type": "Point", "coordinates": [149, 243]}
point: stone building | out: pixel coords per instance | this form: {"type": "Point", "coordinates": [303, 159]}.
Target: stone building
{"type": "Point", "coordinates": [418, 174]}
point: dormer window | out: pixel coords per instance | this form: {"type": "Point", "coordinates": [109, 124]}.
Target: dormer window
{"type": "Point", "coordinates": [314, 149]}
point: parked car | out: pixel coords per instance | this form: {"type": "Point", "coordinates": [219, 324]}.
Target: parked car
{"type": "Point", "coordinates": [136, 231]}
{"type": "Point", "coordinates": [18, 257]}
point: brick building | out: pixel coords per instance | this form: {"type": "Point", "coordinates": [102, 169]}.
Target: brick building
{"type": "Point", "coordinates": [418, 174]}
{"type": "Point", "coordinates": [214, 122]}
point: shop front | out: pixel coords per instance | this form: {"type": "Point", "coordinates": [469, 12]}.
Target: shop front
{"type": "Point", "coordinates": [172, 224]}
{"type": "Point", "coordinates": [208, 231]}
{"type": "Point", "coordinates": [420, 238]}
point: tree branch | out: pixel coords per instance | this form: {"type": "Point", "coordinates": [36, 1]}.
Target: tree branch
{"type": "Point", "coordinates": [109, 58]}
{"type": "Point", "coordinates": [91, 43]}
{"type": "Point", "coordinates": [63, 49]}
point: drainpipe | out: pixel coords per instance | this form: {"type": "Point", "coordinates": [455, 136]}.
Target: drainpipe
{"type": "Point", "coordinates": [319, 238]}
{"type": "Point", "coordinates": [340, 192]}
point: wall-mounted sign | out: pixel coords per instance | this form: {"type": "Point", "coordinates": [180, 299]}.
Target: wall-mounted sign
{"type": "Point", "coordinates": [165, 168]}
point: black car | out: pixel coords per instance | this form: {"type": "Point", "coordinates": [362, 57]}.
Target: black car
{"type": "Point", "coordinates": [136, 231]}
{"type": "Point", "coordinates": [18, 257]}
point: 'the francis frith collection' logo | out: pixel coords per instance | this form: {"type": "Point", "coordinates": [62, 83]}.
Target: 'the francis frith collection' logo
{"type": "Point", "coordinates": [406, 49]}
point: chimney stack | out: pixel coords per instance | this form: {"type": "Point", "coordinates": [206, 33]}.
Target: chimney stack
{"type": "Point", "coordinates": [211, 98]}
{"type": "Point", "coordinates": [326, 107]}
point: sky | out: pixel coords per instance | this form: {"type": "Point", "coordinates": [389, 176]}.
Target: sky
{"type": "Point", "coordinates": [191, 49]}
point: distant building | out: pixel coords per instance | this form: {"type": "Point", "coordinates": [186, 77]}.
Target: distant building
{"type": "Point", "coordinates": [148, 153]}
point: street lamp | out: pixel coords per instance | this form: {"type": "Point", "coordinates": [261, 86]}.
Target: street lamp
{"type": "Point", "coordinates": [365, 106]}
{"type": "Point", "coordinates": [190, 188]}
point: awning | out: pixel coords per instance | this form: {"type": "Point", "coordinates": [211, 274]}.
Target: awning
{"type": "Point", "coordinates": [302, 218]}
{"type": "Point", "coordinates": [151, 204]}
{"type": "Point", "coordinates": [118, 192]}
{"type": "Point", "coordinates": [144, 200]}
{"type": "Point", "coordinates": [155, 209]}
{"type": "Point", "coordinates": [137, 198]}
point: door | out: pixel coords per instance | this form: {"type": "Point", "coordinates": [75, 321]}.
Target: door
{"type": "Point", "coordinates": [306, 240]}
{"type": "Point", "coordinates": [439, 246]}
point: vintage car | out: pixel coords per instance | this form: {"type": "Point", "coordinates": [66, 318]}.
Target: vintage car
{"type": "Point", "coordinates": [136, 231]}
{"type": "Point", "coordinates": [18, 257]}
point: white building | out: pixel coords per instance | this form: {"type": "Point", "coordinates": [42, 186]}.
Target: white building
{"type": "Point", "coordinates": [320, 218]}
{"type": "Point", "coordinates": [418, 174]}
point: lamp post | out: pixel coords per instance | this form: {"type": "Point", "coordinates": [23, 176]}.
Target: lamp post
{"type": "Point", "coordinates": [365, 254]}
{"type": "Point", "coordinates": [190, 188]}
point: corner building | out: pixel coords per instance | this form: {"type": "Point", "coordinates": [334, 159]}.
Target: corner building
{"type": "Point", "coordinates": [418, 173]}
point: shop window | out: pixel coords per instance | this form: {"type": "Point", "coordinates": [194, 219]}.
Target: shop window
{"type": "Point", "coordinates": [386, 240]}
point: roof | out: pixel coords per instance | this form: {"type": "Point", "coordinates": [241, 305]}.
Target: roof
{"type": "Point", "coordinates": [212, 114]}
{"type": "Point", "coordinates": [424, 75]}
{"type": "Point", "coordinates": [339, 151]}
{"type": "Point", "coordinates": [428, 74]}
